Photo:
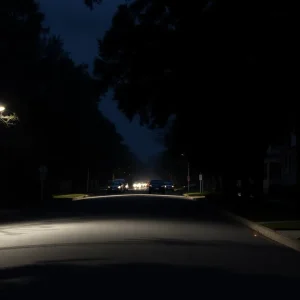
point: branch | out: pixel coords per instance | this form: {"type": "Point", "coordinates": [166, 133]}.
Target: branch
{"type": "Point", "coordinates": [91, 3]}
{"type": "Point", "coordinates": [9, 120]}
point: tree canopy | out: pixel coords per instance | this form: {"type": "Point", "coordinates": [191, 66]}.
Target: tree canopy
{"type": "Point", "coordinates": [56, 101]}
{"type": "Point", "coordinates": [219, 68]}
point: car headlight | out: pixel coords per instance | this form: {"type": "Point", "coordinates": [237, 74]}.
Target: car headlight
{"type": "Point", "coordinates": [119, 187]}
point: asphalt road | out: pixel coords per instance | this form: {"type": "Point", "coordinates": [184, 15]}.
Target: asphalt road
{"type": "Point", "coordinates": [141, 246]}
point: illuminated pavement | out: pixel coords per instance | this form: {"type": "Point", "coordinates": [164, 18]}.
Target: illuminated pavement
{"type": "Point", "coordinates": [143, 229]}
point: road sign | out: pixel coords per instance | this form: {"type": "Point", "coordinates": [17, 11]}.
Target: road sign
{"type": "Point", "coordinates": [200, 177]}
{"type": "Point", "coordinates": [188, 179]}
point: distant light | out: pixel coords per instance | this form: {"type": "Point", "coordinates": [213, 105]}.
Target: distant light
{"type": "Point", "coordinates": [2, 108]}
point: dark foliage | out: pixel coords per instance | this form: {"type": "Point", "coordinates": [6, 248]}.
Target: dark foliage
{"type": "Point", "coordinates": [224, 68]}
{"type": "Point", "coordinates": [57, 104]}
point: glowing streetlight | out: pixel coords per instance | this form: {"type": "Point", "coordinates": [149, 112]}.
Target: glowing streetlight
{"type": "Point", "coordinates": [2, 108]}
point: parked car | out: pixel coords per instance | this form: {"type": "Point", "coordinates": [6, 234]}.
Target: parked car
{"type": "Point", "coordinates": [116, 186]}
{"type": "Point", "coordinates": [157, 186]}
{"type": "Point", "coordinates": [126, 185]}
{"type": "Point", "coordinates": [169, 186]}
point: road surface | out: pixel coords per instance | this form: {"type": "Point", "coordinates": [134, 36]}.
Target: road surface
{"type": "Point", "coordinates": [142, 246]}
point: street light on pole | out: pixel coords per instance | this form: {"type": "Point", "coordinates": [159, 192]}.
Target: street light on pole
{"type": "Point", "coordinates": [188, 173]}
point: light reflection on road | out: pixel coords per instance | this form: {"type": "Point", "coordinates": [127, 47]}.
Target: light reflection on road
{"type": "Point", "coordinates": [207, 240]}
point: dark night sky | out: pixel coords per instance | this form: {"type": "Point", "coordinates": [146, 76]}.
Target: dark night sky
{"type": "Point", "coordinates": [79, 28]}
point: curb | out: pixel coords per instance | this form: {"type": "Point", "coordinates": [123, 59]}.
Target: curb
{"type": "Point", "coordinates": [194, 198]}
{"type": "Point", "coordinates": [80, 198]}
{"type": "Point", "coordinates": [267, 232]}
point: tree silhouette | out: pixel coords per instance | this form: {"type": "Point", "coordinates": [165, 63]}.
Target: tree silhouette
{"type": "Point", "coordinates": [56, 101]}
{"type": "Point", "coordinates": [218, 68]}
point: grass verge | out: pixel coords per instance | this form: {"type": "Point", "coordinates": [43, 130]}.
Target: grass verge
{"type": "Point", "coordinates": [195, 194]}
{"type": "Point", "coordinates": [68, 196]}
{"type": "Point", "coordinates": [282, 225]}
{"type": "Point", "coordinates": [198, 194]}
